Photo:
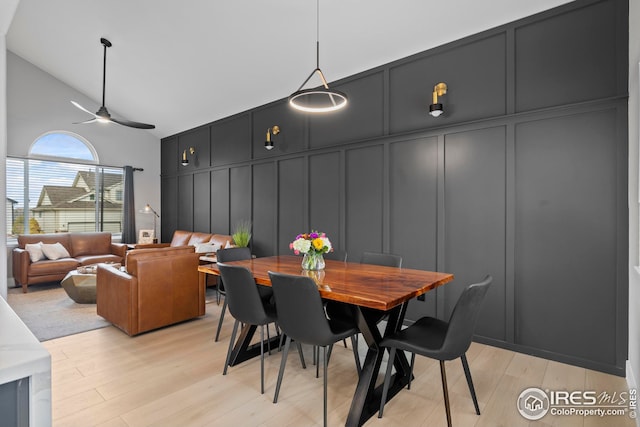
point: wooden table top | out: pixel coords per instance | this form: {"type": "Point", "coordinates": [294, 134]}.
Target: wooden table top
{"type": "Point", "coordinates": [365, 285]}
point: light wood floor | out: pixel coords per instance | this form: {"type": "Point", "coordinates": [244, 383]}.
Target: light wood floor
{"type": "Point", "coordinates": [173, 377]}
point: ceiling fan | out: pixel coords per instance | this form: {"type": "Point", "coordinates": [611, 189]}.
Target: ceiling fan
{"type": "Point", "coordinates": [102, 115]}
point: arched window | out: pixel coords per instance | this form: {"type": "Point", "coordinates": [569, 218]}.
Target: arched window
{"type": "Point", "coordinates": [61, 187]}
{"type": "Point", "coordinates": [63, 145]}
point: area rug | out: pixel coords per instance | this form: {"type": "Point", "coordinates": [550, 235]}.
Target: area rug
{"type": "Point", "coordinates": [49, 312]}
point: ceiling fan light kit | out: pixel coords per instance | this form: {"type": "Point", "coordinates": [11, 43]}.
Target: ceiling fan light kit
{"type": "Point", "coordinates": [102, 115]}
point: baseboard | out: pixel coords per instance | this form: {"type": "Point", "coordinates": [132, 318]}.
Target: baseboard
{"type": "Point", "coordinates": [562, 358]}
{"type": "Point", "coordinates": [632, 383]}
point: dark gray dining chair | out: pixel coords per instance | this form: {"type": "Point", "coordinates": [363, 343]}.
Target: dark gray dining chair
{"type": "Point", "coordinates": [436, 339]}
{"type": "Point", "coordinates": [384, 259]}
{"type": "Point", "coordinates": [336, 255]}
{"type": "Point", "coordinates": [227, 255]}
{"type": "Point", "coordinates": [337, 310]}
{"type": "Point", "coordinates": [246, 306]}
{"type": "Point", "coordinates": [302, 318]}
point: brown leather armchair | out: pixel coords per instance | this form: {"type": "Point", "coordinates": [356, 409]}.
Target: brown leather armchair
{"type": "Point", "coordinates": [160, 287]}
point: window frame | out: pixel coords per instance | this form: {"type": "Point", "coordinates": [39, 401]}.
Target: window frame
{"type": "Point", "coordinates": [94, 166]}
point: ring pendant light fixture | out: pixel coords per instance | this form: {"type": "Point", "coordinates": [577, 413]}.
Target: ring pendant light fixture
{"type": "Point", "coordinates": [320, 99]}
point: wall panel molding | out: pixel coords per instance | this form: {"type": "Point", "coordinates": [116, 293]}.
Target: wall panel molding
{"type": "Point", "coordinates": [524, 177]}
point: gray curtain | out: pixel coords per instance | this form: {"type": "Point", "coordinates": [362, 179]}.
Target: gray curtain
{"type": "Point", "coordinates": [129, 213]}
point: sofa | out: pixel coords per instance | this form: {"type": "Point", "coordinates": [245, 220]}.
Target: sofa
{"type": "Point", "coordinates": [160, 287]}
{"type": "Point", "coordinates": [43, 258]}
{"type": "Point", "coordinates": [203, 242]}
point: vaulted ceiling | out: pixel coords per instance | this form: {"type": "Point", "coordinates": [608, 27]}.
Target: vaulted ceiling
{"type": "Point", "coordinates": [180, 64]}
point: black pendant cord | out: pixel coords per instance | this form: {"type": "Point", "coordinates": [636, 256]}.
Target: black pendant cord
{"type": "Point", "coordinates": [318, 34]}
{"type": "Point", "coordinates": [106, 43]}
{"type": "Point", "coordinates": [104, 73]}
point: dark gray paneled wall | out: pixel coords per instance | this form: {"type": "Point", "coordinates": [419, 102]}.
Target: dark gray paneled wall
{"type": "Point", "coordinates": [523, 178]}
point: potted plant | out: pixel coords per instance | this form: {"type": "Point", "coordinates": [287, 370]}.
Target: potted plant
{"type": "Point", "coordinates": [242, 233]}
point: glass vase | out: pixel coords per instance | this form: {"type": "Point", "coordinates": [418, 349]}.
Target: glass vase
{"type": "Point", "coordinates": [313, 261]}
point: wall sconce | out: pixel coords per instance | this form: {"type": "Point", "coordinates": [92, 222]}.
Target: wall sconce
{"type": "Point", "coordinates": [185, 161]}
{"type": "Point", "coordinates": [435, 109]}
{"type": "Point", "coordinates": [268, 144]}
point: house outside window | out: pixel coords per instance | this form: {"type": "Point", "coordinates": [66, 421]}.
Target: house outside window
{"type": "Point", "coordinates": [61, 187]}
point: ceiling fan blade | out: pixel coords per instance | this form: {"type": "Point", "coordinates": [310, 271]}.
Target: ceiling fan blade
{"type": "Point", "coordinates": [131, 124]}
{"type": "Point", "coordinates": [84, 109]}
{"type": "Point", "coordinates": [86, 121]}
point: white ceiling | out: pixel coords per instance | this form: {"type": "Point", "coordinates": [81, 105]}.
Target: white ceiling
{"type": "Point", "coordinates": [180, 64]}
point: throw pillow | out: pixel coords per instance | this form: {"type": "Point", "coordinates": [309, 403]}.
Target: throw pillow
{"type": "Point", "coordinates": [35, 251]}
{"type": "Point", "coordinates": [55, 251]}
{"type": "Point", "coordinates": [207, 248]}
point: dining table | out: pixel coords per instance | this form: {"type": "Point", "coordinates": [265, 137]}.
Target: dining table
{"type": "Point", "coordinates": [370, 289]}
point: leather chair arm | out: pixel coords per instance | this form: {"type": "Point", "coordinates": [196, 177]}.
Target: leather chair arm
{"type": "Point", "coordinates": [21, 262]}
{"type": "Point", "coordinates": [119, 249]}
{"type": "Point", "coordinates": [116, 295]}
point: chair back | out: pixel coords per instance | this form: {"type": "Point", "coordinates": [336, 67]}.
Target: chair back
{"type": "Point", "coordinates": [243, 299]}
{"type": "Point", "coordinates": [233, 254]}
{"type": "Point", "coordinates": [463, 319]}
{"type": "Point", "coordinates": [336, 254]}
{"type": "Point", "coordinates": [387, 260]}
{"type": "Point", "coordinates": [300, 311]}
{"type": "Point", "coordinates": [228, 255]}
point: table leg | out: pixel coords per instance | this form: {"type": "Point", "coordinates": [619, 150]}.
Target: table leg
{"type": "Point", "coordinates": [244, 350]}
{"type": "Point", "coordinates": [366, 399]}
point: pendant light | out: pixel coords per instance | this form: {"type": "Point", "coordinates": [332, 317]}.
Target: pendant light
{"type": "Point", "coordinates": [320, 99]}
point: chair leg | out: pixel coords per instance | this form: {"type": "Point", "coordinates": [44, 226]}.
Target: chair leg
{"type": "Point", "coordinates": [387, 380]}
{"type": "Point", "coordinates": [413, 360]}
{"type": "Point", "coordinates": [268, 340]}
{"type": "Point", "coordinates": [467, 373]}
{"type": "Point", "coordinates": [231, 341]}
{"type": "Point", "coordinates": [262, 357]}
{"type": "Point", "coordinates": [445, 392]}
{"type": "Point", "coordinates": [224, 308]}
{"type": "Point", "coordinates": [327, 357]}
{"type": "Point", "coordinates": [283, 363]}
{"type": "Point", "coordinates": [326, 363]}
{"type": "Point", "coordinates": [280, 342]}
{"type": "Point", "coordinates": [218, 289]}
{"type": "Point", "coordinates": [304, 365]}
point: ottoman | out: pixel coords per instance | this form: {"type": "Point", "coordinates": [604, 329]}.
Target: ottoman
{"type": "Point", "coordinates": [81, 287]}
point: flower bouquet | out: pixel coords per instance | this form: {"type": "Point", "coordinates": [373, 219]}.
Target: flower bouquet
{"type": "Point", "coordinates": [312, 245]}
